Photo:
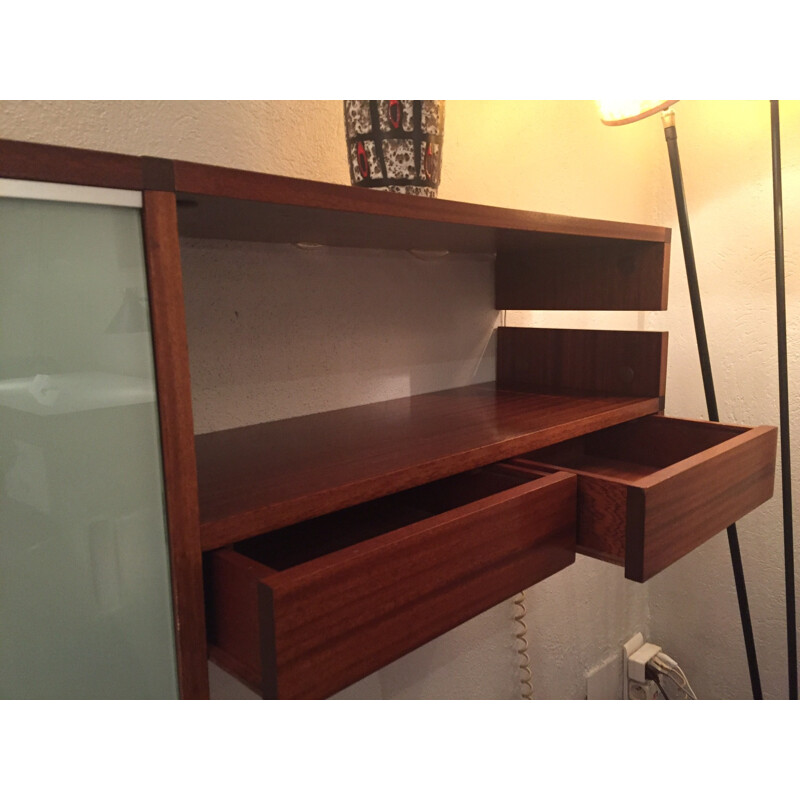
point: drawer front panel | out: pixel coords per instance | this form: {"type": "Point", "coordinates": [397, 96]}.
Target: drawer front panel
{"type": "Point", "coordinates": [332, 621]}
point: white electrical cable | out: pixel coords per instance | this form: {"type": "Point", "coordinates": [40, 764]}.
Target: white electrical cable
{"type": "Point", "coordinates": [526, 676]}
{"type": "Point", "coordinates": [684, 681]}
{"type": "Point", "coordinates": [670, 668]}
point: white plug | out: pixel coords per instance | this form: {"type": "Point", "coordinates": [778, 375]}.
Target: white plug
{"type": "Point", "coordinates": [639, 660]}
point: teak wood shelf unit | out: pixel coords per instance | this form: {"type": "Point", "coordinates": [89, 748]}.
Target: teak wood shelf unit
{"type": "Point", "coordinates": [304, 550]}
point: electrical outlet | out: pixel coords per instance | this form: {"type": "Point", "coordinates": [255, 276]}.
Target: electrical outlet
{"type": "Point", "coordinates": [642, 691]}
{"type": "Point", "coordinates": [628, 649]}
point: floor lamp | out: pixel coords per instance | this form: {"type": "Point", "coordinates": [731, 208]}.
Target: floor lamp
{"type": "Point", "coordinates": [622, 113]}
{"type": "Point", "coordinates": [783, 390]}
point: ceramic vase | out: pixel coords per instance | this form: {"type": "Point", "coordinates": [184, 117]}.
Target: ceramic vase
{"type": "Point", "coordinates": [395, 145]}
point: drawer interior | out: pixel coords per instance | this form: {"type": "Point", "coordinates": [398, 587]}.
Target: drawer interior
{"type": "Point", "coordinates": [637, 449]}
{"type": "Point", "coordinates": [653, 489]}
{"type": "Point", "coordinates": [296, 544]}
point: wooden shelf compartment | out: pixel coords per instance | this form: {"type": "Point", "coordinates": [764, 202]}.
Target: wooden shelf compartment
{"type": "Point", "coordinates": [252, 206]}
{"type": "Point", "coordinates": [263, 477]}
{"type": "Point", "coordinates": [653, 489]}
{"type": "Point", "coordinates": [345, 600]}
{"type": "Point", "coordinates": [305, 611]}
{"type": "Point", "coordinates": [544, 261]}
{"type": "Point", "coordinates": [580, 272]}
{"type": "Point", "coordinates": [551, 385]}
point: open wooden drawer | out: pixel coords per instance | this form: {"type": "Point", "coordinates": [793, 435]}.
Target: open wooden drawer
{"type": "Point", "coordinates": [304, 611]}
{"type": "Point", "coordinates": [653, 489]}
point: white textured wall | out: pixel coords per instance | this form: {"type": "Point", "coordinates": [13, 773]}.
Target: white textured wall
{"type": "Point", "coordinates": [553, 156]}
{"type": "Point", "coordinates": [276, 331]}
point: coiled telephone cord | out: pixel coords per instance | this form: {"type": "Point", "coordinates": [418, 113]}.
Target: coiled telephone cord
{"type": "Point", "coordinates": [525, 674]}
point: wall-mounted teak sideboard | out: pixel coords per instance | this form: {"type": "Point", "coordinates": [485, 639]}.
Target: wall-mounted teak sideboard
{"type": "Point", "coordinates": [306, 553]}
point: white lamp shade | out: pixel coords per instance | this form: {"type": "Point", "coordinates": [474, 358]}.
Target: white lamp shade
{"type": "Point", "coordinates": [621, 112]}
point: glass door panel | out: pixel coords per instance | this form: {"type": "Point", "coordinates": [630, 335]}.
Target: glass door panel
{"type": "Point", "coordinates": [85, 600]}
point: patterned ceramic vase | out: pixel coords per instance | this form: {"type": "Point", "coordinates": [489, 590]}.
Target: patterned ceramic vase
{"type": "Point", "coordinates": [395, 145]}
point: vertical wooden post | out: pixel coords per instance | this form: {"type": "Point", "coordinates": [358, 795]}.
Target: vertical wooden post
{"type": "Point", "coordinates": [171, 351]}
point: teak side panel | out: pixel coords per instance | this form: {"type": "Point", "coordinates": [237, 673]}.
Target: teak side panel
{"type": "Point", "coordinates": [171, 357]}
{"type": "Point", "coordinates": [267, 476]}
{"type": "Point", "coordinates": [582, 273]}
{"type": "Point", "coordinates": [632, 363]}
{"type": "Point", "coordinates": [339, 619]}
{"type": "Point", "coordinates": [684, 505]}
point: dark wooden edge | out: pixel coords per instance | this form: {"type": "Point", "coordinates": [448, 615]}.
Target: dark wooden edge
{"type": "Point", "coordinates": [635, 512]}
{"type": "Point", "coordinates": [665, 274]}
{"type": "Point", "coordinates": [171, 355]}
{"type": "Point", "coordinates": [44, 162]}
{"type": "Point", "coordinates": [269, 662]}
{"type": "Point", "coordinates": [202, 179]}
{"type": "Point", "coordinates": [158, 174]}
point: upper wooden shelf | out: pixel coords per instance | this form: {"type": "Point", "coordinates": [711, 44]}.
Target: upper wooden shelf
{"type": "Point", "coordinates": [263, 477]}
{"type": "Point", "coordinates": [217, 202]}
{"type": "Point", "coordinates": [231, 203]}
{"type": "Point", "coordinates": [543, 261]}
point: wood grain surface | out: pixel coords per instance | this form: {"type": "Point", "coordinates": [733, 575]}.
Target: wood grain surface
{"type": "Point", "coordinates": [630, 363]}
{"type": "Point", "coordinates": [675, 510]}
{"type": "Point", "coordinates": [171, 354]}
{"type": "Point", "coordinates": [215, 186]}
{"type": "Point", "coordinates": [653, 489]}
{"type": "Point", "coordinates": [566, 272]}
{"type": "Point", "coordinates": [42, 162]}
{"type": "Point", "coordinates": [329, 622]}
{"type": "Point", "coordinates": [263, 477]}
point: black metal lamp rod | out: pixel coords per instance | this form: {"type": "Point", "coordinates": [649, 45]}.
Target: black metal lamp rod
{"type": "Point", "coordinates": [783, 390]}
{"type": "Point", "coordinates": [668, 118]}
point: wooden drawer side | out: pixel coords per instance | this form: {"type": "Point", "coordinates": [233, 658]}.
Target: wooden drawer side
{"type": "Point", "coordinates": [696, 499]}
{"type": "Point", "coordinates": [231, 582]}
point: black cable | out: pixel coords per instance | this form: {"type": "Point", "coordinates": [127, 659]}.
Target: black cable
{"type": "Point", "coordinates": [653, 675]}
{"type": "Point", "coordinates": [708, 386]}
{"type": "Point", "coordinates": [783, 386]}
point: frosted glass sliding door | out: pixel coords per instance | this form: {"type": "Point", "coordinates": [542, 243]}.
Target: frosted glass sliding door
{"type": "Point", "coordinates": [85, 603]}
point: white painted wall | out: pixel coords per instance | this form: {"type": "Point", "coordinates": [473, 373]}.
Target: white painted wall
{"type": "Point", "coordinates": [550, 156]}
